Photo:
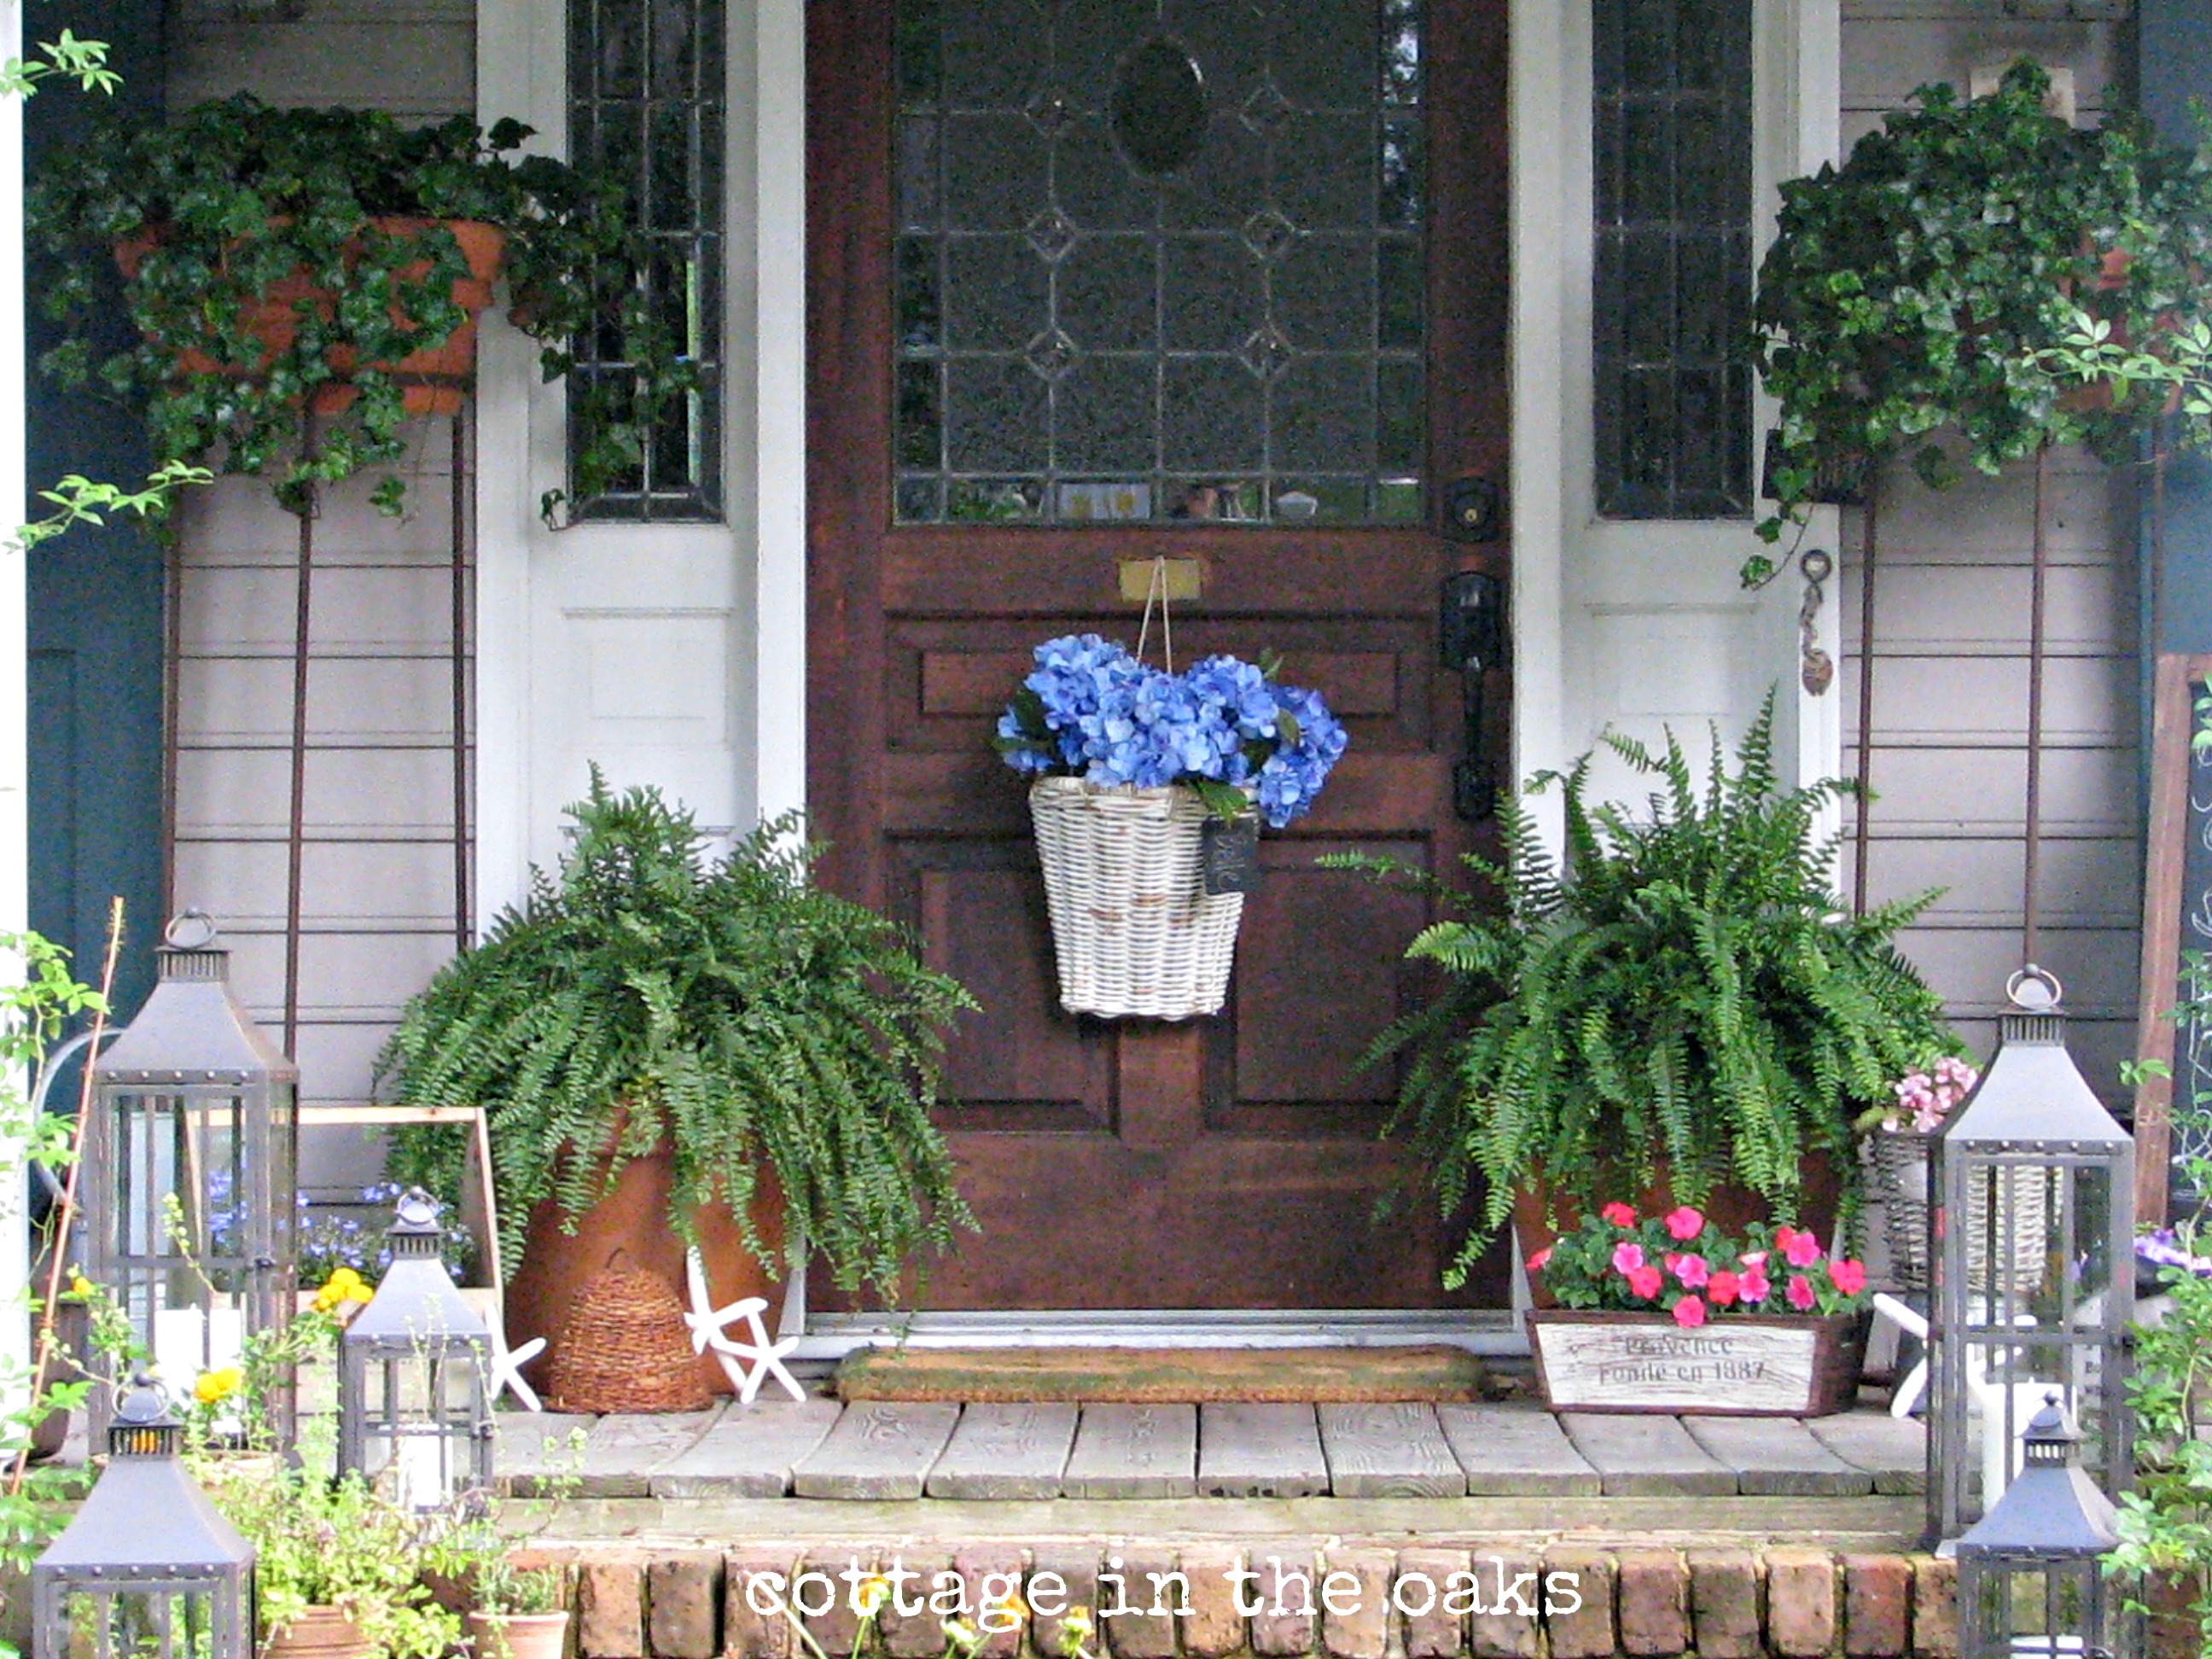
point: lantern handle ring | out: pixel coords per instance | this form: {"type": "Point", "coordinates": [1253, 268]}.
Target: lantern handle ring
{"type": "Point", "coordinates": [189, 930]}
{"type": "Point", "coordinates": [2036, 990]}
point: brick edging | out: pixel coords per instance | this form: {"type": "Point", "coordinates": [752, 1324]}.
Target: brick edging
{"type": "Point", "coordinates": [1747, 1602]}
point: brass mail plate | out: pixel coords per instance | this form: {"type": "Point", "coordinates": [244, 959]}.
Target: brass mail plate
{"type": "Point", "coordinates": [1185, 578]}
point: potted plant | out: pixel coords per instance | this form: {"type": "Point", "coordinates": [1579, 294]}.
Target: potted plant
{"type": "Point", "coordinates": [1687, 1011]}
{"type": "Point", "coordinates": [1149, 787]}
{"type": "Point", "coordinates": [711, 1047]}
{"type": "Point", "coordinates": [520, 1613]}
{"type": "Point", "coordinates": [1670, 1314]}
{"type": "Point", "coordinates": [280, 261]}
{"type": "Point", "coordinates": [1916, 288]}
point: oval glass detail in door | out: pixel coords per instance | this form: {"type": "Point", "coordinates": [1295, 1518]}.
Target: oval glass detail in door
{"type": "Point", "coordinates": [1159, 108]}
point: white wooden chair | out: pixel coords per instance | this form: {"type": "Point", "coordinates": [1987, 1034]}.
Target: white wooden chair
{"type": "Point", "coordinates": [2001, 1453]}
{"type": "Point", "coordinates": [746, 1364]}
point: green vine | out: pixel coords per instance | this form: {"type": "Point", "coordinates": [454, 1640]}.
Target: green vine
{"type": "Point", "coordinates": [1691, 993]}
{"type": "Point", "coordinates": [728, 1007]}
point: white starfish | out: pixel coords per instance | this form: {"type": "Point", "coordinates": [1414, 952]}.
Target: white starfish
{"type": "Point", "coordinates": [747, 1365]}
{"type": "Point", "coordinates": [506, 1365]}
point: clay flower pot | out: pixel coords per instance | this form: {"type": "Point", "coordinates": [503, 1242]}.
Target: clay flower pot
{"type": "Point", "coordinates": [321, 1633]}
{"type": "Point", "coordinates": [518, 1635]}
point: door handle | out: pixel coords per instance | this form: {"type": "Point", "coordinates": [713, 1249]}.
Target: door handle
{"type": "Point", "coordinates": [1472, 634]}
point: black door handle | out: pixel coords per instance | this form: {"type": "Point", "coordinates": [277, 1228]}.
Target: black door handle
{"type": "Point", "coordinates": [1472, 634]}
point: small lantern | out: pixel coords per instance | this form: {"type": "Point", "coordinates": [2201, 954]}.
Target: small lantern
{"type": "Point", "coordinates": [2032, 1257]}
{"type": "Point", "coordinates": [414, 1376]}
{"type": "Point", "coordinates": [147, 1569]}
{"type": "Point", "coordinates": [190, 1168]}
{"type": "Point", "coordinates": [2031, 1571]}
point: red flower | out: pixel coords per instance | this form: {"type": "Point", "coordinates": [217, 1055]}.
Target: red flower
{"type": "Point", "coordinates": [1801, 1294]}
{"type": "Point", "coordinates": [1691, 1270]}
{"type": "Point", "coordinates": [1627, 1257]}
{"type": "Point", "coordinates": [1645, 1282]}
{"type": "Point", "coordinates": [1619, 1214]}
{"type": "Point", "coordinates": [1849, 1277]}
{"type": "Point", "coordinates": [1689, 1313]}
{"type": "Point", "coordinates": [1752, 1286]}
{"type": "Point", "coordinates": [1802, 1250]}
{"type": "Point", "coordinates": [1685, 1224]}
{"type": "Point", "coordinates": [1536, 1262]}
{"type": "Point", "coordinates": [1783, 1236]}
{"type": "Point", "coordinates": [1720, 1289]}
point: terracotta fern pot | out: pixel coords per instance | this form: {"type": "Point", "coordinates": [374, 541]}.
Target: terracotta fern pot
{"type": "Point", "coordinates": [558, 1262]}
{"type": "Point", "coordinates": [518, 1635]}
{"type": "Point", "coordinates": [1540, 1214]}
{"type": "Point", "coordinates": [433, 380]}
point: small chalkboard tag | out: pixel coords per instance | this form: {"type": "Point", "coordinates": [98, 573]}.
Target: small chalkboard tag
{"type": "Point", "coordinates": [1230, 856]}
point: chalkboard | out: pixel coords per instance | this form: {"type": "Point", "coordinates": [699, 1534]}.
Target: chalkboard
{"type": "Point", "coordinates": [2177, 923]}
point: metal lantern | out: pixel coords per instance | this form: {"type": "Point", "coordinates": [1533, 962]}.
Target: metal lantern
{"type": "Point", "coordinates": [414, 1376]}
{"type": "Point", "coordinates": [147, 1569]}
{"type": "Point", "coordinates": [2031, 1254]}
{"type": "Point", "coordinates": [189, 1168]}
{"type": "Point", "coordinates": [2031, 1571]}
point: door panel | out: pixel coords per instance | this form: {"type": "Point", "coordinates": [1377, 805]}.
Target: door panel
{"type": "Point", "coordinates": [1231, 1163]}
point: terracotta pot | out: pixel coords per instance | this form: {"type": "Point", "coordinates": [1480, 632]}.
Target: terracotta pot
{"type": "Point", "coordinates": [1540, 1215]}
{"type": "Point", "coordinates": [558, 1262]}
{"type": "Point", "coordinates": [433, 380]}
{"type": "Point", "coordinates": [318, 1633]}
{"type": "Point", "coordinates": [518, 1635]}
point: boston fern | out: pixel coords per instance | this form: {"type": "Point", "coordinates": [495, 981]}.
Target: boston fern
{"type": "Point", "coordinates": [1690, 996]}
{"type": "Point", "coordinates": [728, 1008]}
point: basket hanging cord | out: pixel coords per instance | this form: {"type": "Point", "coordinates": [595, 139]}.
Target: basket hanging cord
{"type": "Point", "coordinates": [1155, 591]}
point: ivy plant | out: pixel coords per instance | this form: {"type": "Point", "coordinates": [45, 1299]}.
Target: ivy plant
{"type": "Point", "coordinates": [1921, 286]}
{"type": "Point", "coordinates": [726, 1006]}
{"type": "Point", "coordinates": [1688, 995]}
{"type": "Point", "coordinates": [340, 216]}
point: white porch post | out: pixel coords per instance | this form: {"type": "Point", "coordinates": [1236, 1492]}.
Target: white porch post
{"type": "Point", "coordinates": [779, 384]}
{"type": "Point", "coordinates": [14, 891]}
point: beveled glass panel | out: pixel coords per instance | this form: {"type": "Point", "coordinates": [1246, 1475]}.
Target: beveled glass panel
{"type": "Point", "coordinates": [1671, 303]}
{"type": "Point", "coordinates": [1159, 256]}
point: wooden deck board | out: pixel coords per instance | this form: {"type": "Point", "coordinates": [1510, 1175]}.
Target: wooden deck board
{"type": "Point", "coordinates": [538, 1452]}
{"type": "Point", "coordinates": [623, 1450]}
{"type": "Point", "coordinates": [1893, 1451]}
{"type": "Point", "coordinates": [1513, 1451]}
{"type": "Point", "coordinates": [1005, 1451]}
{"type": "Point", "coordinates": [1776, 1458]}
{"type": "Point", "coordinates": [879, 1450]}
{"type": "Point", "coordinates": [1260, 1451]}
{"type": "Point", "coordinates": [1133, 1452]}
{"type": "Point", "coordinates": [1389, 1451]}
{"type": "Point", "coordinates": [1644, 1455]}
{"type": "Point", "coordinates": [748, 1451]}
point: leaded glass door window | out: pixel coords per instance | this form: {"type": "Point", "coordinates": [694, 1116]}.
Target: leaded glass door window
{"type": "Point", "coordinates": [1160, 259]}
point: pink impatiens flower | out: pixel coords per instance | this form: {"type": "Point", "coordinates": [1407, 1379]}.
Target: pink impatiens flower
{"type": "Point", "coordinates": [1802, 1250]}
{"type": "Point", "coordinates": [1849, 1277]}
{"type": "Point", "coordinates": [1619, 1214]}
{"type": "Point", "coordinates": [1690, 1268]}
{"type": "Point", "coordinates": [1685, 1224]}
{"type": "Point", "coordinates": [1627, 1257]}
{"type": "Point", "coordinates": [1752, 1286]}
{"type": "Point", "coordinates": [1753, 1259]}
{"type": "Point", "coordinates": [1801, 1294]}
{"type": "Point", "coordinates": [1536, 1262]}
{"type": "Point", "coordinates": [1645, 1282]}
{"type": "Point", "coordinates": [1721, 1288]}
{"type": "Point", "coordinates": [1689, 1313]}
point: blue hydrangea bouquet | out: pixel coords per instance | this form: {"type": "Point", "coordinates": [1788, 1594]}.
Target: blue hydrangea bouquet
{"type": "Point", "coordinates": [1131, 764]}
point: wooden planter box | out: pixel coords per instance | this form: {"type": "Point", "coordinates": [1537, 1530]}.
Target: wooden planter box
{"type": "Point", "coordinates": [1781, 1365]}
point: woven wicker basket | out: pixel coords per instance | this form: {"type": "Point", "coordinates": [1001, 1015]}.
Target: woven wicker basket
{"type": "Point", "coordinates": [624, 1348]}
{"type": "Point", "coordinates": [1132, 929]}
{"type": "Point", "coordinates": [1902, 1171]}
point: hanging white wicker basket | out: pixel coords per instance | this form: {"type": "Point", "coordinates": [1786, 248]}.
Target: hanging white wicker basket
{"type": "Point", "coordinates": [1133, 930]}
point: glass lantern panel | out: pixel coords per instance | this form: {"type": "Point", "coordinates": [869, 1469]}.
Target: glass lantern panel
{"type": "Point", "coordinates": [420, 1424]}
{"type": "Point", "coordinates": [2025, 1609]}
{"type": "Point", "coordinates": [142, 1624]}
{"type": "Point", "coordinates": [179, 1229]}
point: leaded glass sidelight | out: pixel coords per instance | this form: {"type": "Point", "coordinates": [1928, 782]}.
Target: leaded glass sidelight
{"type": "Point", "coordinates": [1159, 258]}
{"type": "Point", "coordinates": [647, 103]}
{"type": "Point", "coordinates": [1671, 300]}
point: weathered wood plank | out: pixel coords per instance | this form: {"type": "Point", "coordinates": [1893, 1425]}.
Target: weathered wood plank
{"type": "Point", "coordinates": [1511, 1451]}
{"type": "Point", "coordinates": [1776, 1458]}
{"type": "Point", "coordinates": [1893, 1451]}
{"type": "Point", "coordinates": [879, 1449]}
{"type": "Point", "coordinates": [1387, 1451]}
{"type": "Point", "coordinates": [1260, 1451]}
{"type": "Point", "coordinates": [1646, 1456]}
{"type": "Point", "coordinates": [622, 1451]}
{"type": "Point", "coordinates": [1133, 1452]}
{"type": "Point", "coordinates": [538, 1452]}
{"type": "Point", "coordinates": [748, 1452]}
{"type": "Point", "coordinates": [1005, 1451]}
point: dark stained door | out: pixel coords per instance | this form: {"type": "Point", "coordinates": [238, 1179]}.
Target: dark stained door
{"type": "Point", "coordinates": [1095, 281]}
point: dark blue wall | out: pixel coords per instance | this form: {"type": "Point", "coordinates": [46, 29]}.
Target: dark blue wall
{"type": "Point", "coordinates": [96, 598]}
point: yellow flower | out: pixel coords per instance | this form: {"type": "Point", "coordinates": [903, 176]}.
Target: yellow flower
{"type": "Point", "coordinates": [871, 1593]}
{"type": "Point", "coordinates": [80, 1286]}
{"type": "Point", "coordinates": [1075, 1624]}
{"type": "Point", "coordinates": [217, 1384]}
{"type": "Point", "coordinates": [1009, 1610]}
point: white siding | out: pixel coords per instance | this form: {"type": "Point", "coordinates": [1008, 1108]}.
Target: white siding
{"type": "Point", "coordinates": [416, 58]}
{"type": "Point", "coordinates": [1951, 628]}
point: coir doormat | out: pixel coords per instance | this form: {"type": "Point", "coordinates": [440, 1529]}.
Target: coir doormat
{"type": "Point", "coordinates": [1162, 1375]}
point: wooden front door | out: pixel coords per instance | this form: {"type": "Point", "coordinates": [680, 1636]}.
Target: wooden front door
{"type": "Point", "coordinates": [1092, 282]}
